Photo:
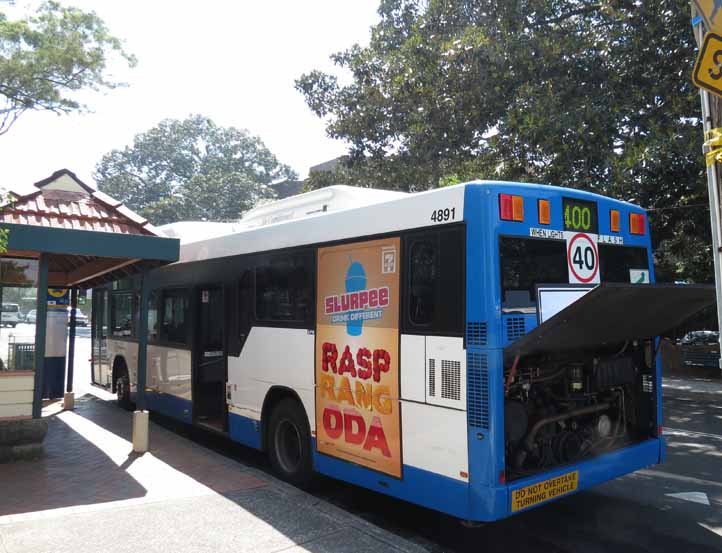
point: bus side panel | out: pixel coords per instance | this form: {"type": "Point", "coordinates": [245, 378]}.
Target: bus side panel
{"type": "Point", "coordinates": [271, 356]}
{"type": "Point", "coordinates": [485, 401]}
{"type": "Point", "coordinates": [169, 382]}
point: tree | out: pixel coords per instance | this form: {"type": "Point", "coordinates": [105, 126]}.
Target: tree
{"type": "Point", "coordinates": [191, 170]}
{"type": "Point", "coordinates": [46, 58]}
{"type": "Point", "coordinates": [585, 94]}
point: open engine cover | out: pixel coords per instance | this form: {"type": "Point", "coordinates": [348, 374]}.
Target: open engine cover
{"type": "Point", "coordinates": [615, 312]}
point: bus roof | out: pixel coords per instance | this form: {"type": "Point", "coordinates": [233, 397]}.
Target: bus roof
{"type": "Point", "coordinates": [330, 214]}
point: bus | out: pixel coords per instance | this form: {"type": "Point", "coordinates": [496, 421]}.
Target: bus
{"type": "Point", "coordinates": [480, 349]}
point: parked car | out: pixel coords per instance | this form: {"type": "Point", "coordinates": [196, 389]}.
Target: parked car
{"type": "Point", "coordinates": [700, 348]}
{"type": "Point", "coordinates": [80, 318]}
{"type": "Point", "coordinates": [700, 337]}
{"type": "Point", "coordinates": [31, 316]}
{"type": "Point", "coordinates": [10, 314]}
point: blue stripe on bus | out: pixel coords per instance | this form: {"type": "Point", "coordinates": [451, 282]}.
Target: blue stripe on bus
{"type": "Point", "coordinates": [422, 487]}
{"type": "Point", "coordinates": [598, 470]}
{"type": "Point", "coordinates": [169, 405]}
{"type": "Point", "coordinates": [244, 430]}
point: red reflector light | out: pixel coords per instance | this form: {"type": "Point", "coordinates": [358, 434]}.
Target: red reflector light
{"type": "Point", "coordinates": [660, 430]}
{"type": "Point", "coordinates": [511, 208]}
{"type": "Point", "coordinates": [637, 223]}
{"type": "Point", "coordinates": [502, 477]}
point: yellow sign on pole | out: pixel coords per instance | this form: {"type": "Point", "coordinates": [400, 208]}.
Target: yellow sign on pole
{"type": "Point", "coordinates": [711, 12]}
{"type": "Point", "coordinates": [707, 72]}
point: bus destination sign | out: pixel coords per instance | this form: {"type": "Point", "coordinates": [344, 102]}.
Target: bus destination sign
{"type": "Point", "coordinates": [580, 216]}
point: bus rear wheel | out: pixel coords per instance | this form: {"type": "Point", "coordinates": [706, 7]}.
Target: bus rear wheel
{"type": "Point", "coordinates": [122, 389]}
{"type": "Point", "coordinates": [289, 444]}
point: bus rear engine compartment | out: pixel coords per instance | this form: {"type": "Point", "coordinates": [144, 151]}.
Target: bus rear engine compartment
{"type": "Point", "coordinates": [564, 409]}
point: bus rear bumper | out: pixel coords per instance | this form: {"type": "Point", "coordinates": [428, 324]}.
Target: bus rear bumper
{"type": "Point", "coordinates": [544, 488]}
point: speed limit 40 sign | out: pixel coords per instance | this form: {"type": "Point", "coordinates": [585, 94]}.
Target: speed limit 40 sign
{"type": "Point", "coordinates": [582, 257]}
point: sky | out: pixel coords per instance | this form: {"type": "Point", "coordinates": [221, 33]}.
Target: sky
{"type": "Point", "coordinates": [234, 61]}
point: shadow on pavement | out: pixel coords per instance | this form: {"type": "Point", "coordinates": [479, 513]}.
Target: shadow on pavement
{"type": "Point", "coordinates": [74, 471]}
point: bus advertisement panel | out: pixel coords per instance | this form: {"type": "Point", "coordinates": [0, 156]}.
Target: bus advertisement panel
{"type": "Point", "coordinates": [357, 358]}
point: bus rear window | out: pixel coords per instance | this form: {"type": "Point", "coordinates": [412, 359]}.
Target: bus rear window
{"type": "Point", "coordinates": [615, 262]}
{"type": "Point", "coordinates": [526, 262]}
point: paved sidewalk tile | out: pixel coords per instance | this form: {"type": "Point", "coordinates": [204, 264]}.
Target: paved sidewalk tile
{"type": "Point", "coordinates": [91, 493]}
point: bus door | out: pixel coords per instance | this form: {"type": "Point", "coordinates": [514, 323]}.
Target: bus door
{"type": "Point", "coordinates": [209, 359]}
{"type": "Point", "coordinates": [102, 373]}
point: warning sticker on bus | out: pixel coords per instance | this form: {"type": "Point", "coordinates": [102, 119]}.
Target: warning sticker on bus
{"type": "Point", "coordinates": [544, 491]}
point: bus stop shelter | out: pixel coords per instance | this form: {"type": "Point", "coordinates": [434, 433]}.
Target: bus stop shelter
{"type": "Point", "coordinates": [74, 237]}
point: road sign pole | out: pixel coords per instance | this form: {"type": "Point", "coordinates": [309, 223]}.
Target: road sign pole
{"type": "Point", "coordinates": [712, 119]}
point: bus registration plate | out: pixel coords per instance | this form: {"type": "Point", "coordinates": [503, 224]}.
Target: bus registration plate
{"type": "Point", "coordinates": [544, 491]}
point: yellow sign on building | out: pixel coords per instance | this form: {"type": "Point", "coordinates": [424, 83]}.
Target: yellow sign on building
{"type": "Point", "coordinates": [707, 72]}
{"type": "Point", "coordinates": [711, 12]}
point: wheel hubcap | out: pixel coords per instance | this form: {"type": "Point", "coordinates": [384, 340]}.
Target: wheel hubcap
{"type": "Point", "coordinates": [288, 446]}
{"type": "Point", "coordinates": [120, 387]}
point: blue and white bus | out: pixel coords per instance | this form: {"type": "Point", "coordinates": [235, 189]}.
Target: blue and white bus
{"type": "Point", "coordinates": [480, 349]}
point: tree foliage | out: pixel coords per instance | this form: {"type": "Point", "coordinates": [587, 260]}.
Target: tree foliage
{"type": "Point", "coordinates": [46, 58]}
{"type": "Point", "coordinates": [191, 169]}
{"type": "Point", "coordinates": [585, 94]}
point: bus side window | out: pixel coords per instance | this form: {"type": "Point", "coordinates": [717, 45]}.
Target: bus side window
{"type": "Point", "coordinates": [423, 273]}
{"type": "Point", "coordinates": [174, 317]}
{"type": "Point", "coordinates": [243, 313]}
{"type": "Point", "coordinates": [121, 314]}
{"type": "Point", "coordinates": [434, 301]}
{"type": "Point", "coordinates": [283, 289]}
{"type": "Point", "coordinates": [153, 322]}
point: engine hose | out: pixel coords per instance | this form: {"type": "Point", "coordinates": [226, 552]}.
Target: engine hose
{"type": "Point", "coordinates": [538, 425]}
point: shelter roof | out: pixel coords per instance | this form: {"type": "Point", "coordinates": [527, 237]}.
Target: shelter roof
{"type": "Point", "coordinates": [64, 201]}
{"type": "Point", "coordinates": [89, 237]}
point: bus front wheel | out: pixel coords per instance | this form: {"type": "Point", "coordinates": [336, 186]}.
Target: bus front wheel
{"type": "Point", "coordinates": [289, 443]}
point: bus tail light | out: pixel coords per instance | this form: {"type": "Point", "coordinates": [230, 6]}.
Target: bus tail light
{"type": "Point", "coordinates": [636, 223]}
{"type": "Point", "coordinates": [511, 208]}
{"type": "Point", "coordinates": [544, 212]}
{"type": "Point", "coordinates": [614, 220]}
{"type": "Point", "coordinates": [502, 477]}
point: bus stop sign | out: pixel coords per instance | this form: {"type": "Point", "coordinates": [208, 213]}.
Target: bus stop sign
{"type": "Point", "coordinates": [707, 72]}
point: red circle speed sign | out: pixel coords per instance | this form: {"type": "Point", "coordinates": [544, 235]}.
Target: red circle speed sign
{"type": "Point", "coordinates": [583, 258]}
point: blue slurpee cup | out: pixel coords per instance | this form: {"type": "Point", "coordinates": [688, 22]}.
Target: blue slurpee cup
{"type": "Point", "coordinates": [355, 282]}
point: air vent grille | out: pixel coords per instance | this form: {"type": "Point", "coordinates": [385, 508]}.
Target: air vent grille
{"type": "Point", "coordinates": [450, 380]}
{"type": "Point", "coordinates": [477, 367]}
{"type": "Point", "coordinates": [476, 333]}
{"type": "Point", "coordinates": [432, 377]}
{"type": "Point", "coordinates": [515, 328]}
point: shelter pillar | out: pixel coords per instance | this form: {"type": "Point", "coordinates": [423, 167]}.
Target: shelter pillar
{"type": "Point", "coordinates": [40, 328]}
{"type": "Point", "coordinates": [140, 417]}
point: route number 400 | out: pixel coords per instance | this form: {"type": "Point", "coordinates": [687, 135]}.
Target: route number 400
{"type": "Point", "coordinates": [443, 215]}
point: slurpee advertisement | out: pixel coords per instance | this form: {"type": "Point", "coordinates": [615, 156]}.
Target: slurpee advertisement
{"type": "Point", "coordinates": [357, 357]}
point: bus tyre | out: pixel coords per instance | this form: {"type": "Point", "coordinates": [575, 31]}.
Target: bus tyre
{"type": "Point", "coordinates": [122, 388]}
{"type": "Point", "coordinates": [289, 444]}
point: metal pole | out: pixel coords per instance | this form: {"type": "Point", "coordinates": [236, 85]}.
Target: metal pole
{"type": "Point", "coordinates": [713, 193]}
{"type": "Point", "coordinates": [142, 342]}
{"type": "Point", "coordinates": [71, 338]}
{"type": "Point", "coordinates": [40, 329]}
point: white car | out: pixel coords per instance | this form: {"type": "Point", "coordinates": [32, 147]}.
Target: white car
{"type": "Point", "coordinates": [10, 314]}
{"type": "Point", "coordinates": [80, 318]}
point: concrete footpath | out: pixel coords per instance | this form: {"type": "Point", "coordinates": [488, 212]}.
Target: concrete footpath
{"type": "Point", "coordinates": [91, 493]}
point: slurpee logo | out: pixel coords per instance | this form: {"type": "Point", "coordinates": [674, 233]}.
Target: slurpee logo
{"type": "Point", "coordinates": [358, 304]}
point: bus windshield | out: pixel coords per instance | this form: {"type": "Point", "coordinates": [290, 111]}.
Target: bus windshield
{"type": "Point", "coordinates": [526, 262]}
